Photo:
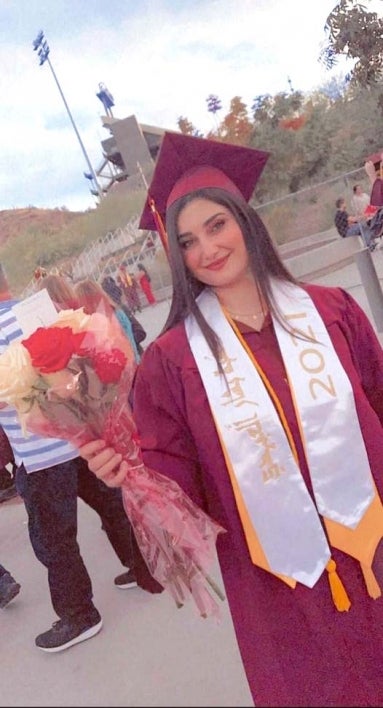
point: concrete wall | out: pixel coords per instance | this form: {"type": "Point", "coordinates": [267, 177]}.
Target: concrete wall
{"type": "Point", "coordinates": [131, 143]}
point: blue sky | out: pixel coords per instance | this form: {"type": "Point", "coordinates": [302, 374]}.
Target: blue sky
{"type": "Point", "coordinates": [160, 59]}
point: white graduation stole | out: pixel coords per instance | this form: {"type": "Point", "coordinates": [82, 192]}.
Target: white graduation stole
{"type": "Point", "coordinates": [278, 503]}
{"type": "Point", "coordinates": [334, 446]}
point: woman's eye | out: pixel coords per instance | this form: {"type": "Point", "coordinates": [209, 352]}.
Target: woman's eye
{"type": "Point", "coordinates": [217, 226]}
{"type": "Point", "coordinates": [185, 243]}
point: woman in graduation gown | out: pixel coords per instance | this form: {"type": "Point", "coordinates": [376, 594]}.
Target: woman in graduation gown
{"type": "Point", "coordinates": [374, 169]}
{"type": "Point", "coordinates": [263, 399]}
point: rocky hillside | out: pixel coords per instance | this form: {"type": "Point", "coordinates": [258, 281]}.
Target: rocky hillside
{"type": "Point", "coordinates": [14, 222]}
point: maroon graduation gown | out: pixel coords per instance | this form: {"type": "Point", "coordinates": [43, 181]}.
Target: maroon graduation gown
{"type": "Point", "coordinates": [297, 649]}
{"type": "Point", "coordinates": [376, 197]}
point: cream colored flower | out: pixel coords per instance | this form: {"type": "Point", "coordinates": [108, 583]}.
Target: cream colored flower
{"type": "Point", "coordinates": [17, 374]}
{"type": "Point", "coordinates": [77, 320]}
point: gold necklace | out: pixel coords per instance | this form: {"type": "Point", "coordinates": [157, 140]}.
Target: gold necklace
{"type": "Point", "coordinates": [238, 316]}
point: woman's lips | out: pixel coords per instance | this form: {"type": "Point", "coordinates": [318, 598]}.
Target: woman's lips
{"type": "Point", "coordinates": [217, 265]}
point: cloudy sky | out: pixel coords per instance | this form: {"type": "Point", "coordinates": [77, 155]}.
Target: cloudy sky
{"type": "Point", "coordinates": [160, 59]}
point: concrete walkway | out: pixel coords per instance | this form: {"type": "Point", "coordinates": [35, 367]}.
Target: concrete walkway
{"type": "Point", "coordinates": [148, 652]}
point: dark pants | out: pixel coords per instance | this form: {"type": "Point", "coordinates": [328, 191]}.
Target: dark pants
{"type": "Point", "coordinates": [6, 478]}
{"type": "Point", "coordinates": [50, 498]}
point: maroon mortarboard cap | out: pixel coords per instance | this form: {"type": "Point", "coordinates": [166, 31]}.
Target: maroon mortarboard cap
{"type": "Point", "coordinates": [186, 163]}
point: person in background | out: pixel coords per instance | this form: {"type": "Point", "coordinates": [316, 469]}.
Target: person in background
{"type": "Point", "coordinates": [7, 478]}
{"type": "Point", "coordinates": [145, 283]}
{"type": "Point", "coordinates": [114, 292]}
{"type": "Point", "coordinates": [263, 399]}
{"type": "Point", "coordinates": [360, 201]}
{"type": "Point", "coordinates": [93, 298]}
{"type": "Point", "coordinates": [41, 464]}
{"type": "Point", "coordinates": [348, 225]}
{"type": "Point", "coordinates": [9, 587]}
{"type": "Point", "coordinates": [374, 170]}
{"type": "Point", "coordinates": [60, 291]}
{"type": "Point", "coordinates": [39, 273]}
{"type": "Point", "coordinates": [135, 295]}
{"type": "Point", "coordinates": [50, 478]}
{"type": "Point", "coordinates": [110, 286]}
{"type": "Point", "coordinates": [128, 285]}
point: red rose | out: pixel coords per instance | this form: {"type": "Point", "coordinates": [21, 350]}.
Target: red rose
{"type": "Point", "coordinates": [109, 365]}
{"type": "Point", "coordinates": [51, 348]}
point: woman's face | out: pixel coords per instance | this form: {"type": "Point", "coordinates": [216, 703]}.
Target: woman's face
{"type": "Point", "coordinates": [212, 244]}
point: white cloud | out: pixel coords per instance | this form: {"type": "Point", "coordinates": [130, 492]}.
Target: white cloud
{"type": "Point", "coordinates": [159, 59]}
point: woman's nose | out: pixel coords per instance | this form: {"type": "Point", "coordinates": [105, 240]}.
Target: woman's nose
{"type": "Point", "coordinates": [209, 249]}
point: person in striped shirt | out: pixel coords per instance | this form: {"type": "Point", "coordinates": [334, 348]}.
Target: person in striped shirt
{"type": "Point", "coordinates": [50, 476]}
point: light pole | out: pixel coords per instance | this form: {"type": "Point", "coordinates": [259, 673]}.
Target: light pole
{"type": "Point", "coordinates": [40, 45]}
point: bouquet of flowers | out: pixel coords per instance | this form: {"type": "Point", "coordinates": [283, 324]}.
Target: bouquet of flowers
{"type": "Point", "coordinates": [71, 380]}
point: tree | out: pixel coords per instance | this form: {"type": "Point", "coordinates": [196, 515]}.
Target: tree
{"type": "Point", "coordinates": [335, 88]}
{"type": "Point", "coordinates": [236, 126]}
{"type": "Point", "coordinates": [310, 137]}
{"type": "Point", "coordinates": [262, 108]}
{"type": "Point", "coordinates": [279, 108]}
{"type": "Point", "coordinates": [213, 104]}
{"type": "Point", "coordinates": [355, 33]}
{"type": "Point", "coordinates": [185, 126]}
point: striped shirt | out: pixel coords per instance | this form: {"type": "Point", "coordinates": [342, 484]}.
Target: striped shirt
{"type": "Point", "coordinates": [34, 452]}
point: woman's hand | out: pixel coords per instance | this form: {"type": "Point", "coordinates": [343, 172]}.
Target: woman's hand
{"type": "Point", "coordinates": [104, 462]}
{"type": "Point", "coordinates": [370, 171]}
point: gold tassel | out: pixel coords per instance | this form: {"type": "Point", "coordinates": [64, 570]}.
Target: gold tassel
{"type": "Point", "coordinates": [372, 585]}
{"type": "Point", "coordinates": [338, 592]}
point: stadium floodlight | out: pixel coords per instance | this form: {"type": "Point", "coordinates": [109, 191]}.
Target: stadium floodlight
{"type": "Point", "coordinates": [40, 45]}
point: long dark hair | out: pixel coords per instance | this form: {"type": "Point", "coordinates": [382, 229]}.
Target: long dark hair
{"type": "Point", "coordinates": [264, 260]}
